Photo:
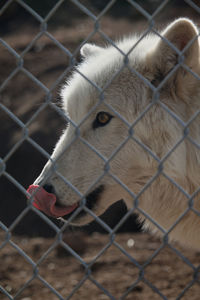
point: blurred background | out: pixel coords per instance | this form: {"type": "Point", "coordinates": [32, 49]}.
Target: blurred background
{"type": "Point", "coordinates": [48, 63]}
{"type": "Point", "coordinates": [71, 25]}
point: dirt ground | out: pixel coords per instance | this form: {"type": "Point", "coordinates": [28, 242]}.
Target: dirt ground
{"type": "Point", "coordinates": [112, 270]}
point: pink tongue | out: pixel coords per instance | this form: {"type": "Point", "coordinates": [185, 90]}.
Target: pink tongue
{"type": "Point", "coordinates": [47, 202]}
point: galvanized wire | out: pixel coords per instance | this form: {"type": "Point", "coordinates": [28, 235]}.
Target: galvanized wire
{"type": "Point", "coordinates": [130, 136]}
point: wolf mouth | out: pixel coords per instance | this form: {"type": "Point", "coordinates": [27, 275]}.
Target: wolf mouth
{"type": "Point", "coordinates": [91, 201]}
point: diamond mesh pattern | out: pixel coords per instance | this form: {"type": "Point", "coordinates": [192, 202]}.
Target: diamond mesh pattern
{"type": "Point", "coordinates": [48, 102]}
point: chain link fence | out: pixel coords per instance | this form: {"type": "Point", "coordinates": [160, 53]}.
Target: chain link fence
{"type": "Point", "coordinates": [24, 126]}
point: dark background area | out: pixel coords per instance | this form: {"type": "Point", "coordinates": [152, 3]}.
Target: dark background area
{"type": "Point", "coordinates": [48, 63]}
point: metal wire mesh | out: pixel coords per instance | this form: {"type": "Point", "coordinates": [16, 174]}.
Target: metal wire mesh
{"type": "Point", "coordinates": [48, 96]}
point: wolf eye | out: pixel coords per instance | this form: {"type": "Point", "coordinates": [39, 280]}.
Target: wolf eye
{"type": "Point", "coordinates": [102, 118]}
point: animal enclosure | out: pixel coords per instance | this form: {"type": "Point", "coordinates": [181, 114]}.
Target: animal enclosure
{"type": "Point", "coordinates": [37, 57]}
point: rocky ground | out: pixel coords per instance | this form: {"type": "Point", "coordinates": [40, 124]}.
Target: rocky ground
{"type": "Point", "coordinates": [113, 270]}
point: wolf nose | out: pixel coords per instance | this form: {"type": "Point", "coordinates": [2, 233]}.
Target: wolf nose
{"type": "Point", "coordinates": [48, 188]}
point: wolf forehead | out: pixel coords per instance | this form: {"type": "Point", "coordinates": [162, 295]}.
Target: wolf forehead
{"type": "Point", "coordinates": [83, 89]}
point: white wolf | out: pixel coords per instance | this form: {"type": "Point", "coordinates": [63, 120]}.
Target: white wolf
{"type": "Point", "coordinates": [106, 159]}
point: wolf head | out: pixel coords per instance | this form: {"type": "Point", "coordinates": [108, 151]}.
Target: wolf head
{"type": "Point", "coordinates": [126, 106]}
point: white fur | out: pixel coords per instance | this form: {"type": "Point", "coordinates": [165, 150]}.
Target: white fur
{"type": "Point", "coordinates": [87, 92]}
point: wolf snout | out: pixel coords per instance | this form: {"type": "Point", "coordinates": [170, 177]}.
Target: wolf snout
{"type": "Point", "coordinates": [46, 201]}
{"type": "Point", "coordinates": [49, 188]}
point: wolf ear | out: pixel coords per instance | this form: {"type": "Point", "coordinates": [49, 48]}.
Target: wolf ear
{"type": "Point", "coordinates": [89, 49]}
{"type": "Point", "coordinates": [180, 36]}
